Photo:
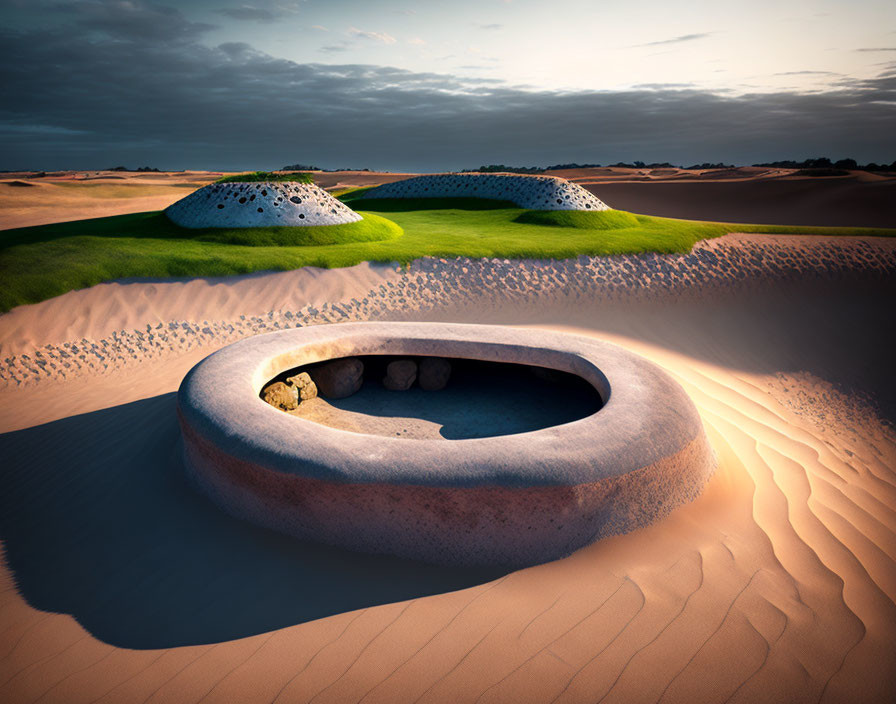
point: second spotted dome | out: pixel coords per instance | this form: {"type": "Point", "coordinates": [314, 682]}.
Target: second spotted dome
{"type": "Point", "coordinates": [532, 192]}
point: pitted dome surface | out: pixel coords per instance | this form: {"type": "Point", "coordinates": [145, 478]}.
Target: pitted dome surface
{"type": "Point", "coordinates": [532, 192]}
{"type": "Point", "coordinates": [260, 204]}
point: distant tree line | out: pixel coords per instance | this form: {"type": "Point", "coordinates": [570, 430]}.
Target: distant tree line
{"type": "Point", "coordinates": [825, 163]}
{"type": "Point", "coordinates": [301, 167]}
{"type": "Point", "coordinates": [707, 165]}
{"type": "Point", "coordinates": [140, 168]}
{"type": "Point", "coordinates": [496, 168]}
{"type": "Point", "coordinates": [306, 167]}
{"type": "Point", "coordinates": [821, 166]}
{"type": "Point", "coordinates": [557, 167]}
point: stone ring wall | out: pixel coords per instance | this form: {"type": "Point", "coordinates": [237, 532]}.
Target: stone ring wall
{"type": "Point", "coordinates": [511, 500]}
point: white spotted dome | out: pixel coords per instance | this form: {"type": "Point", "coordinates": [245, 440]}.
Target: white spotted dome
{"type": "Point", "coordinates": [531, 192]}
{"type": "Point", "coordinates": [259, 204]}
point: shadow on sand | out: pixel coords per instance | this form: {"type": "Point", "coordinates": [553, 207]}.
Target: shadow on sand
{"type": "Point", "coordinates": [481, 400]}
{"type": "Point", "coordinates": [99, 522]}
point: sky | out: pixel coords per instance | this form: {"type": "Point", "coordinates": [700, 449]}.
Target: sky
{"type": "Point", "coordinates": [430, 86]}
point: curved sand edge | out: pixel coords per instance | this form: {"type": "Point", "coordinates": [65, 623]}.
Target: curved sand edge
{"type": "Point", "coordinates": [778, 582]}
{"type": "Point", "coordinates": [135, 321]}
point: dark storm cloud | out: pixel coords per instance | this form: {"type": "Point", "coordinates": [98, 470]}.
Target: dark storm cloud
{"type": "Point", "coordinates": [260, 10]}
{"type": "Point", "coordinates": [132, 21]}
{"type": "Point", "coordinates": [248, 12]}
{"type": "Point", "coordinates": [117, 89]}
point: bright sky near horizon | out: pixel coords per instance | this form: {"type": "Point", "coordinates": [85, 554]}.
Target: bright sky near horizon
{"type": "Point", "coordinates": [490, 55]}
{"type": "Point", "coordinates": [737, 45]}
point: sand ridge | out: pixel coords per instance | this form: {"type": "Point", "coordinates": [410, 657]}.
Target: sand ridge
{"type": "Point", "coordinates": [435, 285]}
{"type": "Point", "coordinates": [777, 584]}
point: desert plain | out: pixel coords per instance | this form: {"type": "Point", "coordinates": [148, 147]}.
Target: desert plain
{"type": "Point", "coordinates": [120, 584]}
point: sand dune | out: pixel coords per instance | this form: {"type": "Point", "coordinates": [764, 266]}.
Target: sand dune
{"type": "Point", "coordinates": [776, 584]}
{"type": "Point", "coordinates": [745, 194]}
{"type": "Point", "coordinates": [837, 201]}
{"type": "Point", "coordinates": [27, 200]}
{"type": "Point", "coordinates": [60, 200]}
{"type": "Point", "coordinates": [129, 305]}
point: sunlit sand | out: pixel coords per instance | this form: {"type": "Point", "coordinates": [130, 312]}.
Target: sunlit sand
{"type": "Point", "coordinates": [777, 583]}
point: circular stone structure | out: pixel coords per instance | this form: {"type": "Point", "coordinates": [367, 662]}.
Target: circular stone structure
{"type": "Point", "coordinates": [510, 500]}
{"type": "Point", "coordinates": [259, 204]}
{"type": "Point", "coordinates": [531, 192]}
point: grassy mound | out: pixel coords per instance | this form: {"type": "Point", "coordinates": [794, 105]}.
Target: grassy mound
{"type": "Point", "coordinates": [41, 262]}
{"type": "Point", "coordinates": [372, 228]}
{"type": "Point", "coordinates": [255, 176]}
{"type": "Point", "coordinates": [156, 225]}
{"type": "Point", "coordinates": [580, 219]}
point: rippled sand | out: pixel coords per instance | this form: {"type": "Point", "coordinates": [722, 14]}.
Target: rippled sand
{"type": "Point", "coordinates": [777, 584]}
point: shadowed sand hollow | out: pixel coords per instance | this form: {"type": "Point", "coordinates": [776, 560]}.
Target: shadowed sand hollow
{"type": "Point", "coordinates": [481, 400]}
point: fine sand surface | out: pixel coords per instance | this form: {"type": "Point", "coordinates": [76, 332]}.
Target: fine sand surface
{"type": "Point", "coordinates": [837, 201]}
{"type": "Point", "coordinates": [26, 201]}
{"type": "Point", "coordinates": [745, 194]}
{"type": "Point", "coordinates": [777, 584]}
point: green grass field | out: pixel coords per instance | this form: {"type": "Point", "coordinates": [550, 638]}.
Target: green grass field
{"type": "Point", "coordinates": [37, 263]}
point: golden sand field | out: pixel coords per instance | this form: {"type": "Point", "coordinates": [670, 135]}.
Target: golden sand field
{"type": "Point", "coordinates": [776, 585]}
